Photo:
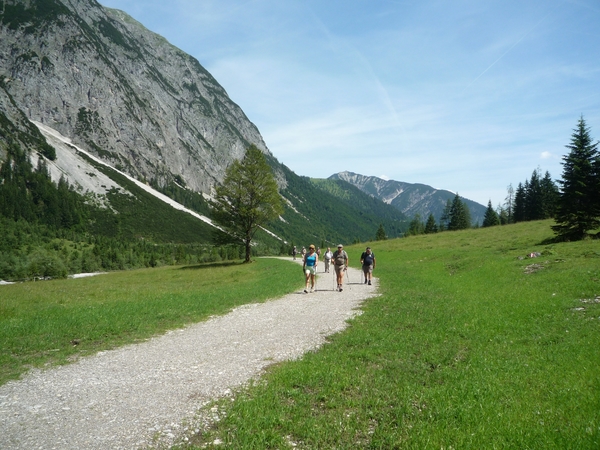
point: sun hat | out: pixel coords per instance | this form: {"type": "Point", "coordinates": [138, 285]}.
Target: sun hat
{"type": "Point", "coordinates": [340, 246]}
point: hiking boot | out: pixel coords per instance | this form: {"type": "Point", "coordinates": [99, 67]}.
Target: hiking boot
{"type": "Point", "coordinates": [305, 291]}
{"type": "Point", "coordinates": [312, 290]}
{"type": "Point", "coordinates": [369, 282]}
{"type": "Point", "coordinates": [365, 281]}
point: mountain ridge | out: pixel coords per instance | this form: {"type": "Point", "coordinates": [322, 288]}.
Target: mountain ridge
{"type": "Point", "coordinates": [409, 198]}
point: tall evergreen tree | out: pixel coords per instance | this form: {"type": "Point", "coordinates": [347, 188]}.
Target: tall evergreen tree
{"type": "Point", "coordinates": [460, 217]}
{"type": "Point", "coordinates": [519, 205]}
{"type": "Point", "coordinates": [490, 218]}
{"type": "Point", "coordinates": [416, 226]}
{"type": "Point", "coordinates": [534, 198]}
{"type": "Point", "coordinates": [430, 225]}
{"type": "Point", "coordinates": [578, 209]}
{"type": "Point", "coordinates": [550, 196]}
{"type": "Point", "coordinates": [445, 217]}
{"type": "Point", "coordinates": [380, 234]}
{"type": "Point", "coordinates": [248, 197]}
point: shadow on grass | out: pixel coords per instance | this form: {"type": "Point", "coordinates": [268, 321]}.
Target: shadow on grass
{"type": "Point", "coordinates": [212, 265]}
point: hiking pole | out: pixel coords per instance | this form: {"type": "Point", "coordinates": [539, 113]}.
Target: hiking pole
{"type": "Point", "coordinates": [333, 277]}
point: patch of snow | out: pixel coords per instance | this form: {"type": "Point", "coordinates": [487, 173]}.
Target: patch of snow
{"type": "Point", "coordinates": [84, 275]}
{"type": "Point", "coordinates": [56, 136]}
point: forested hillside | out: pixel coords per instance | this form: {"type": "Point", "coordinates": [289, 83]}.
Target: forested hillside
{"type": "Point", "coordinates": [330, 219]}
{"type": "Point", "coordinates": [50, 230]}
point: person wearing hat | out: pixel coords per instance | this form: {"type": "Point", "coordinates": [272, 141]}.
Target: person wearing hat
{"type": "Point", "coordinates": [340, 263]}
{"type": "Point", "coordinates": [311, 260]}
{"type": "Point", "coordinates": [367, 259]}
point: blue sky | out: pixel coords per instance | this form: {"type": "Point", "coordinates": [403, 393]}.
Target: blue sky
{"type": "Point", "coordinates": [464, 95]}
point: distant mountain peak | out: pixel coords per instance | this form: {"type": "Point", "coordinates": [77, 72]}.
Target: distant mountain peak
{"type": "Point", "coordinates": [409, 198]}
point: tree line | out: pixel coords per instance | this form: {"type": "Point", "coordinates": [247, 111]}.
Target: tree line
{"type": "Point", "coordinates": [48, 229]}
{"type": "Point", "coordinates": [573, 202]}
{"type": "Point", "coordinates": [456, 216]}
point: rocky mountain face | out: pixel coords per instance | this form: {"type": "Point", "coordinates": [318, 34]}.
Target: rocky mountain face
{"type": "Point", "coordinates": [117, 90]}
{"type": "Point", "coordinates": [409, 198]}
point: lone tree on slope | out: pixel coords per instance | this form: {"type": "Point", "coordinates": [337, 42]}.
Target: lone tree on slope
{"type": "Point", "coordinates": [248, 198]}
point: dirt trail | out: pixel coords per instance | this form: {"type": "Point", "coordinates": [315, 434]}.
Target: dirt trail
{"type": "Point", "coordinates": [141, 395]}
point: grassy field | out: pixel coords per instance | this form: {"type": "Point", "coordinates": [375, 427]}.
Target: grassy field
{"type": "Point", "coordinates": [54, 322]}
{"type": "Point", "coordinates": [471, 345]}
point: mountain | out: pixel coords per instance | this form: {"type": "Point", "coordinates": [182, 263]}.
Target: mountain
{"type": "Point", "coordinates": [119, 91]}
{"type": "Point", "coordinates": [409, 198]}
{"type": "Point", "coordinates": [121, 114]}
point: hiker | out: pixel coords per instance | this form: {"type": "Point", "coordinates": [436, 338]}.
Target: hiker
{"type": "Point", "coordinates": [367, 259]}
{"type": "Point", "coordinates": [340, 263]}
{"type": "Point", "coordinates": [327, 258]}
{"type": "Point", "coordinates": [309, 267]}
{"type": "Point", "coordinates": [319, 252]}
{"type": "Point", "coordinates": [303, 253]}
{"type": "Point", "coordinates": [294, 252]}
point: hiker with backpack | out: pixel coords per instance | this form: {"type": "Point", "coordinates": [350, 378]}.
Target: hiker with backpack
{"type": "Point", "coordinates": [340, 264]}
{"type": "Point", "coordinates": [367, 259]}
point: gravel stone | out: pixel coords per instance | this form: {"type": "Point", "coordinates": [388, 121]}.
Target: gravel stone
{"type": "Point", "coordinates": [143, 395]}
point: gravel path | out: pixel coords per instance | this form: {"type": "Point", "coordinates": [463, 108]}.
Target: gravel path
{"type": "Point", "coordinates": [142, 395]}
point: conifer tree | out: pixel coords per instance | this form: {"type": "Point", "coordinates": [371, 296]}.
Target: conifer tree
{"type": "Point", "coordinates": [445, 217]}
{"type": "Point", "coordinates": [490, 218]}
{"type": "Point", "coordinates": [460, 217]}
{"type": "Point", "coordinates": [578, 209]}
{"type": "Point", "coordinates": [430, 225]}
{"type": "Point", "coordinates": [519, 206]}
{"type": "Point", "coordinates": [533, 198]}
{"type": "Point", "coordinates": [550, 196]}
{"type": "Point", "coordinates": [380, 234]}
{"type": "Point", "coordinates": [416, 226]}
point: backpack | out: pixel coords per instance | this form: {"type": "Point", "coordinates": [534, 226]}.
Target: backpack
{"type": "Point", "coordinates": [340, 258]}
{"type": "Point", "coordinates": [367, 259]}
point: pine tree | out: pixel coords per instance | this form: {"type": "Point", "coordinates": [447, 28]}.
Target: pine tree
{"type": "Point", "coordinates": [519, 205]}
{"type": "Point", "coordinates": [460, 217]}
{"type": "Point", "coordinates": [491, 216]}
{"type": "Point", "coordinates": [430, 226]}
{"type": "Point", "coordinates": [550, 196]}
{"type": "Point", "coordinates": [578, 209]}
{"type": "Point", "coordinates": [380, 234]}
{"type": "Point", "coordinates": [416, 226]}
{"type": "Point", "coordinates": [533, 198]}
{"type": "Point", "coordinates": [445, 217]}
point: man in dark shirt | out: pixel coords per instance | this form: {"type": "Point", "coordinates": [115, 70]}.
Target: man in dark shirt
{"type": "Point", "coordinates": [367, 259]}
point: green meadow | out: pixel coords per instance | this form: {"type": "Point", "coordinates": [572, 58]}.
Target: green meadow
{"type": "Point", "coordinates": [471, 344]}
{"type": "Point", "coordinates": [468, 347]}
{"type": "Point", "coordinates": [45, 323]}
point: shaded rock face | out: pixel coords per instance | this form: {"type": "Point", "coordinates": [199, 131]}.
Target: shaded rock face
{"type": "Point", "coordinates": [119, 91]}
